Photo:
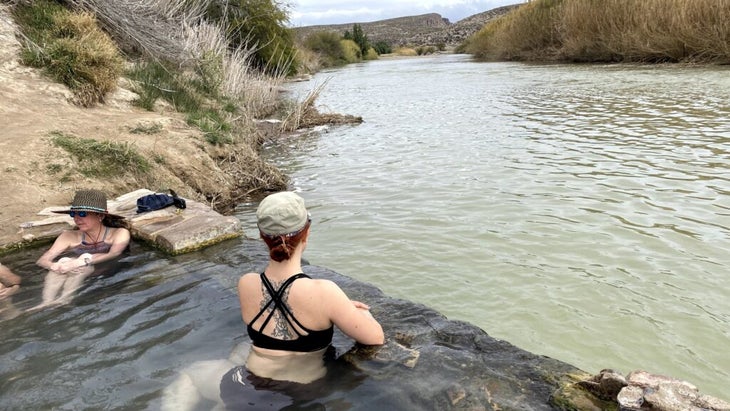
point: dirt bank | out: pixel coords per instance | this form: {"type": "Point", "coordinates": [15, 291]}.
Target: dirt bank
{"type": "Point", "coordinates": [36, 174]}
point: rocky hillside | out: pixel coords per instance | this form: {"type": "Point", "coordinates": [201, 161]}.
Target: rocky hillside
{"type": "Point", "coordinates": [422, 30]}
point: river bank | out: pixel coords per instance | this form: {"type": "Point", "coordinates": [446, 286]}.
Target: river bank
{"type": "Point", "coordinates": [36, 174]}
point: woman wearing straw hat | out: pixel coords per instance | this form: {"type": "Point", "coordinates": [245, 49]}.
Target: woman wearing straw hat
{"type": "Point", "coordinates": [290, 316]}
{"type": "Point", "coordinates": [94, 242]}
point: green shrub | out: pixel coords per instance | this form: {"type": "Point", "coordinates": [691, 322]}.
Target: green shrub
{"type": "Point", "coordinates": [371, 54]}
{"type": "Point", "coordinates": [70, 48]}
{"type": "Point", "coordinates": [213, 124]}
{"type": "Point", "coordinates": [382, 47]}
{"type": "Point", "coordinates": [351, 51]}
{"type": "Point", "coordinates": [424, 50]}
{"type": "Point", "coordinates": [360, 38]}
{"type": "Point", "coordinates": [328, 46]}
{"type": "Point", "coordinates": [258, 25]}
{"type": "Point", "coordinates": [102, 158]}
{"type": "Point", "coordinates": [209, 70]}
{"type": "Point", "coordinates": [154, 80]}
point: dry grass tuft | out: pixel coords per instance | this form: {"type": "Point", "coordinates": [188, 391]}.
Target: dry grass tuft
{"type": "Point", "coordinates": [150, 28]}
{"type": "Point", "coordinates": [70, 48]}
{"type": "Point", "coordinates": [299, 111]}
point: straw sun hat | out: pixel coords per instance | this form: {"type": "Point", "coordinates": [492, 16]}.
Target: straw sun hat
{"type": "Point", "coordinates": [89, 200]}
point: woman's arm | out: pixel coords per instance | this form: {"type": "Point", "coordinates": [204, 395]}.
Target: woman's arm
{"type": "Point", "coordinates": [352, 317]}
{"type": "Point", "coordinates": [62, 243]}
{"type": "Point", "coordinates": [7, 277]}
{"type": "Point", "coordinates": [67, 239]}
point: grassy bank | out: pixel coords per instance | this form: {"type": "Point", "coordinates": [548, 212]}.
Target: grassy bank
{"type": "Point", "coordinates": [647, 31]}
{"type": "Point", "coordinates": [172, 56]}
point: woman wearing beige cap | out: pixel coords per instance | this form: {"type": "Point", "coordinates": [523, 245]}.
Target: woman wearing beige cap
{"type": "Point", "coordinates": [95, 241]}
{"type": "Point", "coordinates": [290, 316]}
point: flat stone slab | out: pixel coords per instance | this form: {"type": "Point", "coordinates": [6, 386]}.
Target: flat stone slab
{"type": "Point", "coordinates": [175, 231]}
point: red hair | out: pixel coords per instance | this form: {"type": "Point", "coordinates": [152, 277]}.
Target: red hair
{"type": "Point", "coordinates": [282, 246]}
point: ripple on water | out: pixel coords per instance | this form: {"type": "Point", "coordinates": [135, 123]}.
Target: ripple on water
{"type": "Point", "coordinates": [576, 211]}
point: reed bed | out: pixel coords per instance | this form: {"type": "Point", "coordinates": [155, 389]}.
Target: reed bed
{"type": "Point", "coordinates": [651, 31]}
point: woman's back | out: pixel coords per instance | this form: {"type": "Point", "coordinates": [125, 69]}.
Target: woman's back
{"type": "Point", "coordinates": [286, 315]}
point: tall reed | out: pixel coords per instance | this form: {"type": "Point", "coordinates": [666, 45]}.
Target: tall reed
{"type": "Point", "coordinates": [609, 31]}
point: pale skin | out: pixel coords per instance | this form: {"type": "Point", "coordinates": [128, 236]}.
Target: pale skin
{"type": "Point", "coordinates": [67, 274]}
{"type": "Point", "coordinates": [9, 282]}
{"type": "Point", "coordinates": [317, 304]}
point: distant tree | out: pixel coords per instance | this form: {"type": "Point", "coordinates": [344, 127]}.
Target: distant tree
{"type": "Point", "coordinates": [260, 24]}
{"type": "Point", "coordinates": [382, 47]}
{"type": "Point", "coordinates": [359, 37]}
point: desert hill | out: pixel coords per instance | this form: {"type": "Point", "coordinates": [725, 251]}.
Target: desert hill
{"type": "Point", "coordinates": [421, 30]}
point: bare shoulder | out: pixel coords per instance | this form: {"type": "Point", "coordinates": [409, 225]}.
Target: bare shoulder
{"type": "Point", "coordinates": [327, 287]}
{"type": "Point", "coordinates": [248, 278]}
{"type": "Point", "coordinates": [70, 236]}
{"type": "Point", "coordinates": [120, 232]}
{"type": "Point", "coordinates": [71, 233]}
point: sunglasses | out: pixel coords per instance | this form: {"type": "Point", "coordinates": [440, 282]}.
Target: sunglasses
{"type": "Point", "coordinates": [78, 213]}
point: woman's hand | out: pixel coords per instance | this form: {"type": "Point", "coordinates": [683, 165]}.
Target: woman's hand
{"type": "Point", "coordinates": [66, 264]}
{"type": "Point", "coordinates": [8, 291]}
{"type": "Point", "coordinates": [360, 305]}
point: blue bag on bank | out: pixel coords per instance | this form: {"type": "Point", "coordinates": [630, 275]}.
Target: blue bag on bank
{"type": "Point", "coordinates": [159, 201]}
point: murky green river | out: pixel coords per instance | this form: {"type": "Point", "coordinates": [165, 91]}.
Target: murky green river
{"type": "Point", "coordinates": [577, 211]}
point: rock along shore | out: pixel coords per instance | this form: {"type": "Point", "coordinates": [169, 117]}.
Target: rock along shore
{"type": "Point", "coordinates": [432, 363]}
{"type": "Point", "coordinates": [171, 229]}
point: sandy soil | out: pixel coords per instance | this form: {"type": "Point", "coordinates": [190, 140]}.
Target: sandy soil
{"type": "Point", "coordinates": [34, 174]}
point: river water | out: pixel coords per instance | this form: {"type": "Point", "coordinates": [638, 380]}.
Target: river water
{"type": "Point", "coordinates": [577, 211]}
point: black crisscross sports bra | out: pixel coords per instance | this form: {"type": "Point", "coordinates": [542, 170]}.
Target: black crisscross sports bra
{"type": "Point", "coordinates": [313, 340]}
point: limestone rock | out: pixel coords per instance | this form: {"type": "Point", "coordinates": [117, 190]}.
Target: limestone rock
{"type": "Point", "coordinates": [176, 231]}
{"type": "Point", "coordinates": [639, 391]}
{"type": "Point", "coordinates": [631, 398]}
{"type": "Point", "coordinates": [606, 385]}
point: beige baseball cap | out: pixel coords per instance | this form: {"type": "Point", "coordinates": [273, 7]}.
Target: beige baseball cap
{"type": "Point", "coordinates": [281, 214]}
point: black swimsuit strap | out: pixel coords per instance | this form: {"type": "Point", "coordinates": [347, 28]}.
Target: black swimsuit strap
{"type": "Point", "coordinates": [278, 303]}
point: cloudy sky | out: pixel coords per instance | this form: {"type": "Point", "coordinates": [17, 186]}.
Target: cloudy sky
{"type": "Point", "coordinates": [313, 12]}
